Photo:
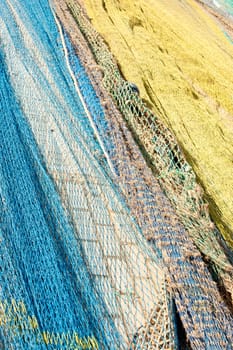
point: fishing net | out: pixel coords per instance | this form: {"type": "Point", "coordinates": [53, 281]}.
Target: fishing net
{"type": "Point", "coordinates": [77, 272]}
{"type": "Point", "coordinates": [162, 153]}
{"type": "Point", "coordinates": [153, 212]}
{"type": "Point", "coordinates": [43, 299]}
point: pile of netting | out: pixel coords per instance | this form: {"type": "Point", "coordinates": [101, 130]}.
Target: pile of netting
{"type": "Point", "coordinates": [163, 154]}
{"type": "Point", "coordinates": [77, 272]}
{"type": "Point", "coordinates": [76, 201]}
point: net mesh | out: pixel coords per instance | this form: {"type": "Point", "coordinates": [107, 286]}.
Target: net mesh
{"type": "Point", "coordinates": [84, 276]}
{"type": "Point", "coordinates": [149, 205]}
{"type": "Point", "coordinates": [162, 153]}
{"type": "Point", "coordinates": [77, 271]}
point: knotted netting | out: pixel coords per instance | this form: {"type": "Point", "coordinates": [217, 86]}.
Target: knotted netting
{"type": "Point", "coordinates": [163, 154]}
{"type": "Point", "coordinates": [189, 276]}
{"type": "Point", "coordinates": [77, 272]}
{"type": "Point", "coordinates": [43, 299]}
{"type": "Point", "coordinates": [84, 275]}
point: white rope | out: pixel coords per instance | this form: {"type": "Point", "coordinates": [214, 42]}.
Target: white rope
{"type": "Point", "coordinates": [80, 94]}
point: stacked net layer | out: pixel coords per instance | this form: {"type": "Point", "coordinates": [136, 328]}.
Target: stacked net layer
{"type": "Point", "coordinates": [163, 154]}
{"type": "Point", "coordinates": [146, 200]}
{"type": "Point", "coordinates": [84, 276]}
{"type": "Point", "coordinates": [92, 244]}
{"type": "Point", "coordinates": [46, 288]}
{"type": "Point", "coordinates": [180, 59]}
{"type": "Point", "coordinates": [145, 197]}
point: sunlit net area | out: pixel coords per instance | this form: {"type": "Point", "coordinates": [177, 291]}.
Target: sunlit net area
{"type": "Point", "coordinates": [106, 241]}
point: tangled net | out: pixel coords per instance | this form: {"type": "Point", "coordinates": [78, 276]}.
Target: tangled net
{"type": "Point", "coordinates": [163, 154]}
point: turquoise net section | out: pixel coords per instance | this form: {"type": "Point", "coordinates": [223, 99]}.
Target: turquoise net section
{"type": "Point", "coordinates": [85, 277]}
